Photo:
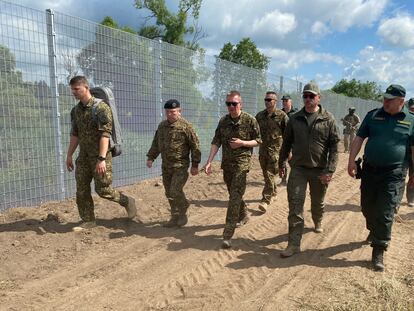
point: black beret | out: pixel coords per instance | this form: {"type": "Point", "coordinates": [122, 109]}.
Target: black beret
{"type": "Point", "coordinates": [171, 104]}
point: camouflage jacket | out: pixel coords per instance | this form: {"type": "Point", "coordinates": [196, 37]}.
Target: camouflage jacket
{"type": "Point", "coordinates": [350, 121]}
{"type": "Point", "coordinates": [311, 147]}
{"type": "Point", "coordinates": [244, 128]}
{"type": "Point", "coordinates": [272, 126]}
{"type": "Point", "coordinates": [175, 141]}
{"type": "Point", "coordinates": [89, 130]}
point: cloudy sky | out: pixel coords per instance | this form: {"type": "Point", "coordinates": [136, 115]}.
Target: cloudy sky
{"type": "Point", "coordinates": [325, 40]}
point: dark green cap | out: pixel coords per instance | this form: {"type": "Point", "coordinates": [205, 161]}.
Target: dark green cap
{"type": "Point", "coordinates": [410, 102]}
{"type": "Point", "coordinates": [171, 104]}
{"type": "Point", "coordinates": [394, 91]}
{"type": "Point", "coordinates": [311, 87]}
{"type": "Point", "coordinates": [286, 97]}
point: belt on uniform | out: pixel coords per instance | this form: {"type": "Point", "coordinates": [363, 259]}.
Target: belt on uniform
{"type": "Point", "coordinates": [375, 168]}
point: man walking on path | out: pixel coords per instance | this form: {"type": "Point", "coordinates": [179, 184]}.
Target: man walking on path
{"type": "Point", "coordinates": [95, 158]}
{"type": "Point", "coordinates": [175, 139]}
{"type": "Point", "coordinates": [390, 140]}
{"type": "Point", "coordinates": [272, 122]}
{"type": "Point", "coordinates": [237, 133]}
{"type": "Point", "coordinates": [312, 138]}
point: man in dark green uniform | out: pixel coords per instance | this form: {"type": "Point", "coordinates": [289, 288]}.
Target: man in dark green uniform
{"type": "Point", "coordinates": [95, 158]}
{"type": "Point", "coordinates": [237, 132]}
{"type": "Point", "coordinates": [272, 123]}
{"type": "Point", "coordinates": [312, 137]}
{"type": "Point", "coordinates": [175, 138]}
{"type": "Point", "coordinates": [386, 156]}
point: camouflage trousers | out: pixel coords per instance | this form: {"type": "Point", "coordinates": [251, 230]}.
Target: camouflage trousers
{"type": "Point", "coordinates": [270, 170]}
{"type": "Point", "coordinates": [348, 139]}
{"type": "Point", "coordinates": [174, 180]}
{"type": "Point", "coordinates": [236, 209]}
{"type": "Point", "coordinates": [299, 178]}
{"type": "Point", "coordinates": [84, 173]}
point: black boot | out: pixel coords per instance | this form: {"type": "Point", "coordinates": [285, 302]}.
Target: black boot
{"type": "Point", "coordinates": [378, 258]}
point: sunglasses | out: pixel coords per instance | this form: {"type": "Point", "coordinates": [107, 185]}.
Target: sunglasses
{"type": "Point", "coordinates": [311, 96]}
{"type": "Point", "coordinates": [234, 104]}
{"type": "Point", "coordinates": [268, 99]}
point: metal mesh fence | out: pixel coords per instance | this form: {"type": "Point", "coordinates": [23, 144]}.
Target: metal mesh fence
{"type": "Point", "coordinates": [39, 53]}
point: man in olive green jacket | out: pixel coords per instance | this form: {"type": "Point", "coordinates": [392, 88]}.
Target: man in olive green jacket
{"type": "Point", "coordinates": [312, 137]}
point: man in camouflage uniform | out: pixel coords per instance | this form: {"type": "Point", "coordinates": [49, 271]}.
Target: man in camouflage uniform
{"type": "Point", "coordinates": [289, 110]}
{"type": "Point", "coordinates": [237, 132]}
{"type": "Point", "coordinates": [175, 138]}
{"type": "Point", "coordinates": [312, 137]}
{"type": "Point", "coordinates": [272, 123]}
{"type": "Point", "coordinates": [95, 159]}
{"type": "Point", "coordinates": [351, 122]}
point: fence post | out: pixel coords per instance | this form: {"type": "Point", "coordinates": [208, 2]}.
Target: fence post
{"type": "Point", "coordinates": [158, 79]}
{"type": "Point", "coordinates": [51, 43]}
{"type": "Point", "coordinates": [281, 86]}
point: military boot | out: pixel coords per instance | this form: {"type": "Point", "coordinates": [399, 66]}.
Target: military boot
{"type": "Point", "coordinates": [172, 222]}
{"type": "Point", "coordinates": [378, 258]}
{"type": "Point", "coordinates": [318, 227]}
{"type": "Point", "coordinates": [129, 204]}
{"type": "Point", "coordinates": [226, 244]}
{"type": "Point", "coordinates": [263, 207]}
{"type": "Point", "coordinates": [290, 250]}
{"type": "Point", "coordinates": [182, 220]}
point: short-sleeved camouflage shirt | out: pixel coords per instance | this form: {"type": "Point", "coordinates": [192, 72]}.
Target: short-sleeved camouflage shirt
{"type": "Point", "coordinates": [88, 129]}
{"type": "Point", "coordinates": [244, 128]}
{"type": "Point", "coordinates": [272, 126]}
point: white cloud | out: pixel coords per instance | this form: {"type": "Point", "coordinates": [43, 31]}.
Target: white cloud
{"type": "Point", "coordinates": [274, 24]}
{"type": "Point", "coordinates": [383, 67]}
{"type": "Point", "coordinates": [341, 15]}
{"type": "Point", "coordinates": [292, 60]}
{"type": "Point", "coordinates": [320, 29]}
{"type": "Point", "coordinates": [398, 31]}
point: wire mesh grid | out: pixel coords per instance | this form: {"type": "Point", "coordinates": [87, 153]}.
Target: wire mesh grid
{"type": "Point", "coordinates": [41, 50]}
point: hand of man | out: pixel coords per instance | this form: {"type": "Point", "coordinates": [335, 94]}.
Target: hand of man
{"type": "Point", "coordinates": [410, 183]}
{"type": "Point", "coordinates": [325, 178]}
{"type": "Point", "coordinates": [352, 169]}
{"type": "Point", "coordinates": [149, 163]}
{"type": "Point", "coordinates": [282, 171]}
{"type": "Point", "coordinates": [194, 171]}
{"type": "Point", "coordinates": [69, 164]}
{"type": "Point", "coordinates": [207, 168]}
{"type": "Point", "coordinates": [100, 167]}
{"type": "Point", "coordinates": [236, 143]}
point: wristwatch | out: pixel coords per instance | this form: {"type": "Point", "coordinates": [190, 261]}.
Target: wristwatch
{"type": "Point", "coordinates": [101, 158]}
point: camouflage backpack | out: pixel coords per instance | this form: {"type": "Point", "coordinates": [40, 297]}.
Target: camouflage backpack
{"type": "Point", "coordinates": [104, 94]}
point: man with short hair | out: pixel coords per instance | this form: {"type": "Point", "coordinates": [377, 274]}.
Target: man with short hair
{"type": "Point", "coordinates": [390, 140]}
{"type": "Point", "coordinates": [238, 133]}
{"type": "Point", "coordinates": [95, 158]}
{"type": "Point", "coordinates": [289, 110]}
{"type": "Point", "coordinates": [312, 138]}
{"type": "Point", "coordinates": [350, 122]}
{"type": "Point", "coordinates": [175, 139]}
{"type": "Point", "coordinates": [272, 122]}
{"type": "Point", "coordinates": [287, 105]}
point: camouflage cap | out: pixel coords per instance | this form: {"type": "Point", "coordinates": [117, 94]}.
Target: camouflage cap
{"type": "Point", "coordinates": [410, 102]}
{"type": "Point", "coordinates": [351, 109]}
{"type": "Point", "coordinates": [171, 104]}
{"type": "Point", "coordinates": [311, 87]}
{"type": "Point", "coordinates": [394, 91]}
{"type": "Point", "coordinates": [286, 97]}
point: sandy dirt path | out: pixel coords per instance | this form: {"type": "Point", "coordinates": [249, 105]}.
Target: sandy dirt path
{"type": "Point", "coordinates": [140, 265]}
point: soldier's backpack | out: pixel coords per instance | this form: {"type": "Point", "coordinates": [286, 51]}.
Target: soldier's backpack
{"type": "Point", "coordinates": [102, 93]}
